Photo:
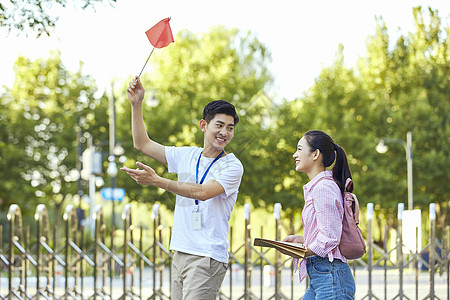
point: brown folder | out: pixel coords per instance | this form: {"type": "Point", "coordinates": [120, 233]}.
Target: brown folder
{"type": "Point", "coordinates": [291, 249]}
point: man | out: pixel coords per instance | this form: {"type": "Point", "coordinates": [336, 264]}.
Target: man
{"type": "Point", "coordinates": [206, 191]}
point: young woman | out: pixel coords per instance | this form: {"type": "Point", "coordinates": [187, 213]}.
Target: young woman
{"type": "Point", "coordinates": [328, 271]}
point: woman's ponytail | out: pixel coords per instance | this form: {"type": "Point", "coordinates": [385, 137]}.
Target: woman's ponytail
{"type": "Point", "coordinates": [341, 170]}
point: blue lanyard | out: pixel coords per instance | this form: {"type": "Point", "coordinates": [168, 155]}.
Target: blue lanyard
{"type": "Point", "coordinates": [207, 170]}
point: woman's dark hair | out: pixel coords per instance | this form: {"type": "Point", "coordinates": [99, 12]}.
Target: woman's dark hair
{"type": "Point", "coordinates": [330, 152]}
{"type": "Point", "coordinates": [219, 107]}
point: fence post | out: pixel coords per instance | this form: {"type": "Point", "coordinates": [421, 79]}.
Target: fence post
{"type": "Point", "coordinates": [385, 260]}
{"type": "Point", "coordinates": [95, 220]}
{"type": "Point", "coordinates": [126, 216]}
{"type": "Point", "coordinates": [369, 246]}
{"type": "Point", "coordinates": [432, 247]}
{"type": "Point", "coordinates": [447, 259]}
{"type": "Point", "coordinates": [96, 217]}
{"type": "Point", "coordinates": [155, 217]}
{"type": "Point", "coordinates": [24, 254]}
{"type": "Point", "coordinates": [71, 225]}
{"type": "Point", "coordinates": [37, 217]}
{"type": "Point", "coordinates": [401, 207]}
{"type": "Point", "coordinates": [112, 262]}
{"type": "Point", "coordinates": [82, 259]}
{"type": "Point", "coordinates": [66, 257]}
{"type": "Point", "coordinates": [161, 256]}
{"type": "Point", "coordinates": [231, 262]}
{"type": "Point", "coordinates": [54, 261]}
{"type": "Point", "coordinates": [277, 216]}
{"type": "Point", "coordinates": [106, 263]}
{"type": "Point", "coordinates": [261, 273]}
{"type": "Point", "coordinates": [13, 213]}
{"type": "Point", "coordinates": [247, 251]}
{"type": "Point", "coordinates": [41, 217]}
{"type": "Point", "coordinates": [140, 261]}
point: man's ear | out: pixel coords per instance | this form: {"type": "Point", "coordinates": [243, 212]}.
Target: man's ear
{"type": "Point", "coordinates": [203, 124]}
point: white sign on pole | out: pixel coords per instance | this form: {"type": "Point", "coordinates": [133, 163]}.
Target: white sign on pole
{"type": "Point", "coordinates": [412, 230]}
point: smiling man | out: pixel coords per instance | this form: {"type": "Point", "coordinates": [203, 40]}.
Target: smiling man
{"type": "Point", "coordinates": [206, 191]}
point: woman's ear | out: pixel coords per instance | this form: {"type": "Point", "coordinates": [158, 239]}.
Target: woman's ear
{"type": "Point", "coordinates": [316, 154]}
{"type": "Point", "coordinates": [203, 124]}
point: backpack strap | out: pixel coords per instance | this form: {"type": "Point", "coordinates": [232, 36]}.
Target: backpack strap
{"type": "Point", "coordinates": [347, 194]}
{"type": "Point", "coordinates": [355, 205]}
{"type": "Point", "coordinates": [351, 197]}
{"type": "Point", "coordinates": [348, 184]}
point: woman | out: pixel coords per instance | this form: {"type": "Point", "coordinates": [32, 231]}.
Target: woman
{"type": "Point", "coordinates": [329, 273]}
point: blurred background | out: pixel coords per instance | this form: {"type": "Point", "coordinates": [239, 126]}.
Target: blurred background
{"type": "Point", "coordinates": [373, 76]}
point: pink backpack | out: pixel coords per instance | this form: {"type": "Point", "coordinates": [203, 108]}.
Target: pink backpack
{"type": "Point", "coordinates": [352, 244]}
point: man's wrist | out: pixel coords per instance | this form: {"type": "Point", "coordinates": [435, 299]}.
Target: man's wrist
{"type": "Point", "coordinates": [137, 105]}
{"type": "Point", "coordinates": [162, 182]}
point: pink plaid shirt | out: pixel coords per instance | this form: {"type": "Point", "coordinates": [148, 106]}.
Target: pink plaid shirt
{"type": "Point", "coordinates": [322, 219]}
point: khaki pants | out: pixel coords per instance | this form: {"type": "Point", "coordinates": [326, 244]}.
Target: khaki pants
{"type": "Point", "coordinates": [196, 277]}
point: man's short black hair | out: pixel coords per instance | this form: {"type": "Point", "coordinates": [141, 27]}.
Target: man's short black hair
{"type": "Point", "coordinates": [219, 107]}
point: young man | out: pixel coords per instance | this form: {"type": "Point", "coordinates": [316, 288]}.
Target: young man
{"type": "Point", "coordinates": [206, 191]}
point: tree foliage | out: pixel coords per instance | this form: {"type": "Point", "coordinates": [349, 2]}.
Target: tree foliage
{"type": "Point", "coordinates": [396, 87]}
{"type": "Point", "coordinates": [219, 64]}
{"type": "Point", "coordinates": [41, 115]}
{"type": "Point", "coordinates": [410, 92]}
{"type": "Point", "coordinates": [35, 15]}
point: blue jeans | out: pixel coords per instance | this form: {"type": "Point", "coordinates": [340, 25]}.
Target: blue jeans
{"type": "Point", "coordinates": [329, 280]}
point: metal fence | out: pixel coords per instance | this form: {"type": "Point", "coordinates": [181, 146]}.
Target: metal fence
{"type": "Point", "coordinates": [34, 265]}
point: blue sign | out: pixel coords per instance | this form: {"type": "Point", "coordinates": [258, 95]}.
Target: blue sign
{"type": "Point", "coordinates": [113, 194]}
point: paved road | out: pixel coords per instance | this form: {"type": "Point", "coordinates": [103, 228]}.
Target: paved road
{"type": "Point", "coordinates": [268, 289]}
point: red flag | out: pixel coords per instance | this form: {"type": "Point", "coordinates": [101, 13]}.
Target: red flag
{"type": "Point", "coordinates": [160, 35]}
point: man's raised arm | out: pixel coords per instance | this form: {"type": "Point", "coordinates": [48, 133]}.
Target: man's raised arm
{"type": "Point", "coordinates": [141, 140]}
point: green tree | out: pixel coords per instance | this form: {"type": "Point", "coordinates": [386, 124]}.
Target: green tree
{"type": "Point", "coordinates": [331, 105]}
{"type": "Point", "coordinates": [42, 114]}
{"type": "Point", "coordinates": [219, 64]}
{"type": "Point", "coordinates": [394, 89]}
{"type": "Point", "coordinates": [411, 93]}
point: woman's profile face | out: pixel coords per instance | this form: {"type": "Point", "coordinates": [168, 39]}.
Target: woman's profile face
{"type": "Point", "coordinates": [303, 156]}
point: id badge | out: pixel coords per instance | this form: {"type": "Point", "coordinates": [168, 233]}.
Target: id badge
{"type": "Point", "coordinates": [196, 220]}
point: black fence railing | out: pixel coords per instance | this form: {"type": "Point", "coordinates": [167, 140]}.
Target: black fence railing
{"type": "Point", "coordinates": [33, 264]}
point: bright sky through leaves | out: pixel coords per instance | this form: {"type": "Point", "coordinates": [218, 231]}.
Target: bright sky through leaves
{"type": "Point", "coordinates": [303, 36]}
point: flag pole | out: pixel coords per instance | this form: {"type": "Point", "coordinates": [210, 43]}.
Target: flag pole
{"type": "Point", "coordinates": [146, 61]}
